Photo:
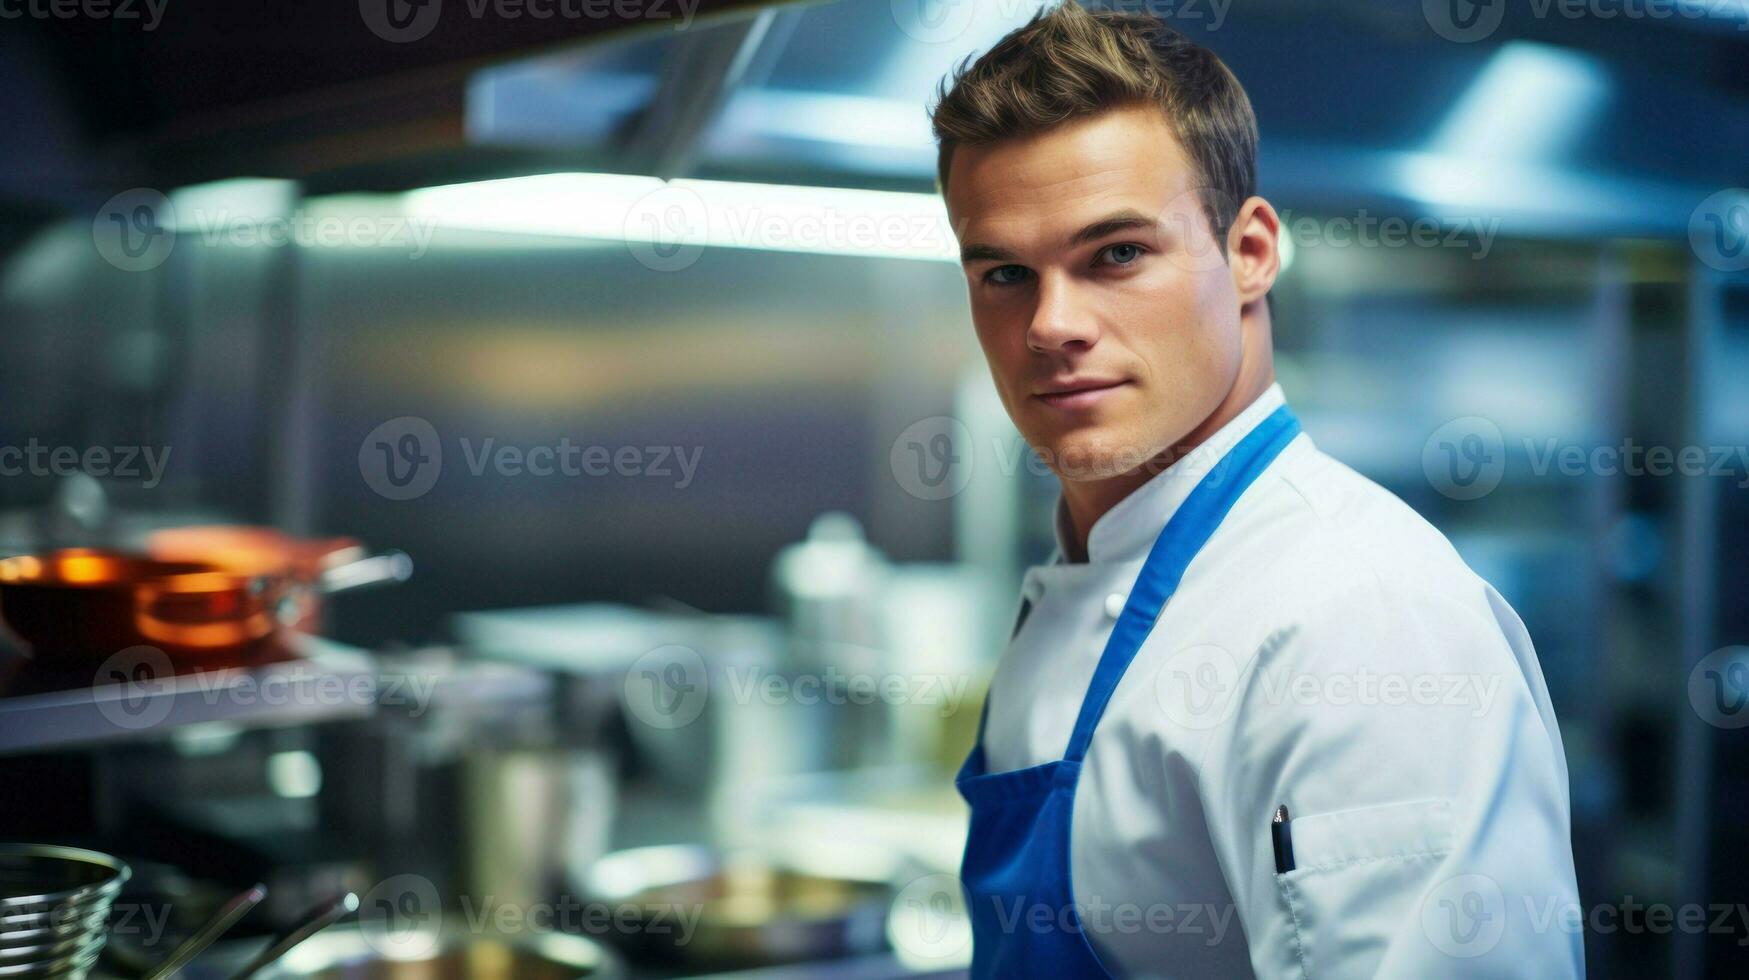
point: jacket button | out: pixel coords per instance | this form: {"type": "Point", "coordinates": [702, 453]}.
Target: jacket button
{"type": "Point", "coordinates": [1114, 604]}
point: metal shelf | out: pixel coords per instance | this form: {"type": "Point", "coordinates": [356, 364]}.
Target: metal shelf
{"type": "Point", "coordinates": [312, 680]}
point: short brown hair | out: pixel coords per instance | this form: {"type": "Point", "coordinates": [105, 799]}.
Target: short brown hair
{"type": "Point", "coordinates": [1069, 62]}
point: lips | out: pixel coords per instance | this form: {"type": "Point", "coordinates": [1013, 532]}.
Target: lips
{"type": "Point", "coordinates": [1080, 393]}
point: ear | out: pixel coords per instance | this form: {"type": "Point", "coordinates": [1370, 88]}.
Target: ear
{"type": "Point", "coordinates": [1253, 250]}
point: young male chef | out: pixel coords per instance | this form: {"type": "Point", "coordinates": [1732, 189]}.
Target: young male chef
{"type": "Point", "coordinates": [1258, 717]}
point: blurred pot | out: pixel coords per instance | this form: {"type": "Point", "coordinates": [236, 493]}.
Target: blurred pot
{"type": "Point", "coordinates": [694, 905]}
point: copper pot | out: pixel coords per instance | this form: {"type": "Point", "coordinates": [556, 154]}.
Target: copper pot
{"type": "Point", "coordinates": [78, 606]}
{"type": "Point", "coordinates": [254, 551]}
{"type": "Point", "coordinates": [83, 604]}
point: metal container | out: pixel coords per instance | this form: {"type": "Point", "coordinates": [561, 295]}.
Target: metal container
{"type": "Point", "coordinates": [54, 909]}
{"type": "Point", "coordinates": [828, 591]}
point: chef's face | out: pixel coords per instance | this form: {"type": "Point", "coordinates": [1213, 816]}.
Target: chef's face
{"type": "Point", "coordinates": [1105, 307]}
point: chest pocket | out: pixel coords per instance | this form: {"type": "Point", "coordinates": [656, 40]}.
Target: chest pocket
{"type": "Point", "coordinates": [1350, 867]}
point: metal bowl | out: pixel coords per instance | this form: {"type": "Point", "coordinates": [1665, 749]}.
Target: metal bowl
{"type": "Point", "coordinates": [37, 928]}
{"type": "Point", "coordinates": [44, 877]}
{"type": "Point", "coordinates": [54, 909]}
{"type": "Point", "coordinates": [71, 960]}
{"type": "Point", "coordinates": [50, 949]}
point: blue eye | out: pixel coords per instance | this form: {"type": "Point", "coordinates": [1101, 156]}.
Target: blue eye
{"type": "Point", "coordinates": [1006, 275]}
{"type": "Point", "coordinates": [1123, 254]}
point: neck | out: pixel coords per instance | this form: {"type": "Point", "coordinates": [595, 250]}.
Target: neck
{"type": "Point", "coordinates": [1088, 500]}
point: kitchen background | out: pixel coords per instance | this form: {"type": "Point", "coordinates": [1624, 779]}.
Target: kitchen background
{"type": "Point", "coordinates": [636, 329]}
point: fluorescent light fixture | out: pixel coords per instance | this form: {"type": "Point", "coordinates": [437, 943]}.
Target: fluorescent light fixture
{"type": "Point", "coordinates": [822, 117]}
{"type": "Point", "coordinates": [1530, 102]}
{"type": "Point", "coordinates": [221, 204]}
{"type": "Point", "coordinates": [1502, 146]}
{"type": "Point", "coordinates": [668, 216]}
{"type": "Point", "coordinates": [1479, 187]}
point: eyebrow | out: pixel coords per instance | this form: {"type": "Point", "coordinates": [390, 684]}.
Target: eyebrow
{"type": "Point", "coordinates": [1117, 221]}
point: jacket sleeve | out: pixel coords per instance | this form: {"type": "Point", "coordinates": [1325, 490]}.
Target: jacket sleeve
{"type": "Point", "coordinates": [1411, 739]}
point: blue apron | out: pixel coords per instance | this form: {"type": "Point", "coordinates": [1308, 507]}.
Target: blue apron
{"type": "Point", "coordinates": [1016, 868]}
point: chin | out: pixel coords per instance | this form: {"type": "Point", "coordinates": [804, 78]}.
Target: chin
{"type": "Point", "coordinates": [1094, 453]}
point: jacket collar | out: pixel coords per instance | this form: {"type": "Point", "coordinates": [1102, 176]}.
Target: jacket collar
{"type": "Point", "coordinates": [1128, 530]}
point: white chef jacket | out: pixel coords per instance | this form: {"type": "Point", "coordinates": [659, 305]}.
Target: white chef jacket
{"type": "Point", "coordinates": [1328, 651]}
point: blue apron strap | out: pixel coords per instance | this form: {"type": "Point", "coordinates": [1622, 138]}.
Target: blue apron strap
{"type": "Point", "coordinates": [1184, 535]}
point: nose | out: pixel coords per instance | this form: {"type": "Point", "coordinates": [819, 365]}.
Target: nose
{"type": "Point", "coordinates": [1057, 321]}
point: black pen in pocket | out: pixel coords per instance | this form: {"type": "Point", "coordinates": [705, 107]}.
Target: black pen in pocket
{"type": "Point", "coordinates": [1283, 839]}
